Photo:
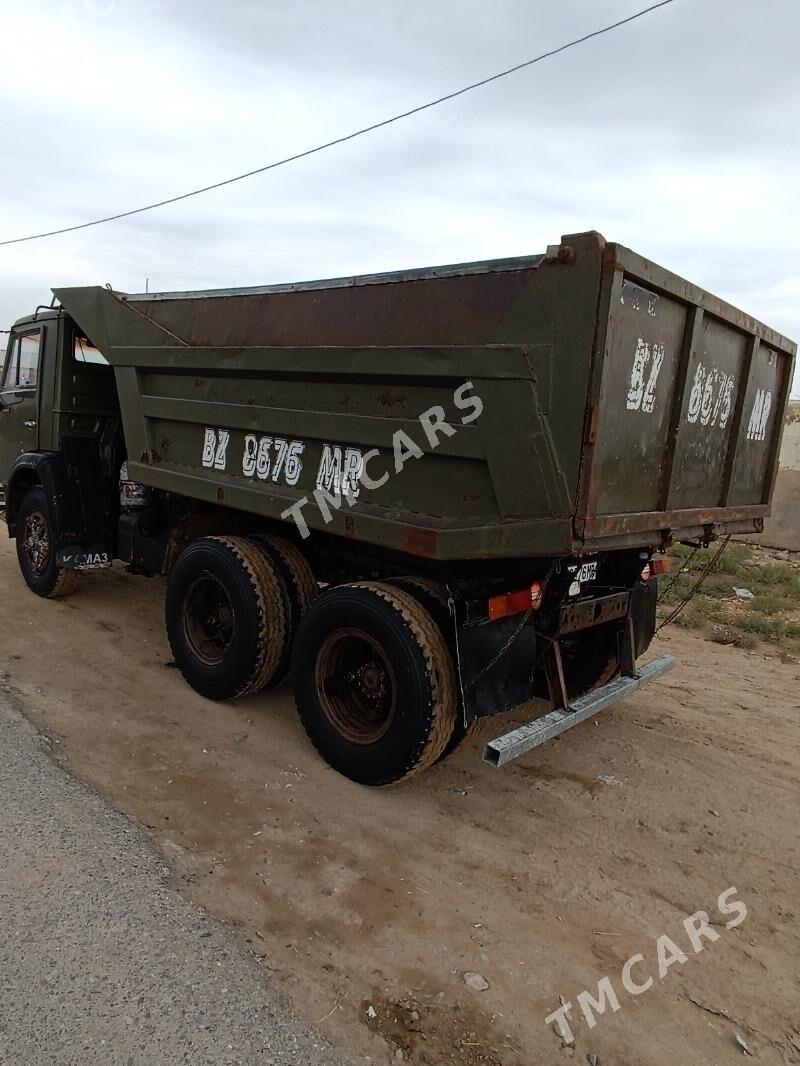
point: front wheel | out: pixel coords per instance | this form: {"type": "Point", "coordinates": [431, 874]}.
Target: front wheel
{"type": "Point", "coordinates": [374, 683]}
{"type": "Point", "coordinates": [36, 549]}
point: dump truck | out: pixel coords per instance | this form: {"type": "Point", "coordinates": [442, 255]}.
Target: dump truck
{"type": "Point", "coordinates": [427, 497]}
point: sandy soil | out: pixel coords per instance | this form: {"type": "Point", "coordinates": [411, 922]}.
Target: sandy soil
{"type": "Point", "coordinates": [542, 877]}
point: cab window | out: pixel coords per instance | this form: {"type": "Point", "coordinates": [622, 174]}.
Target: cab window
{"type": "Point", "coordinates": [85, 352]}
{"type": "Point", "coordinates": [22, 363]}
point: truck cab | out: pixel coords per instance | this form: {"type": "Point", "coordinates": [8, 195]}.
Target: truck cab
{"type": "Point", "coordinates": [59, 433]}
{"type": "Point", "coordinates": [20, 392]}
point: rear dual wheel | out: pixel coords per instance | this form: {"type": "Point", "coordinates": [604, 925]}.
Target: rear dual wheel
{"type": "Point", "coordinates": [434, 597]}
{"type": "Point", "coordinates": [232, 607]}
{"type": "Point", "coordinates": [299, 588]}
{"type": "Point", "coordinates": [374, 682]}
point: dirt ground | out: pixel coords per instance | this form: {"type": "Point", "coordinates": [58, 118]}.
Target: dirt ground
{"type": "Point", "coordinates": [542, 877]}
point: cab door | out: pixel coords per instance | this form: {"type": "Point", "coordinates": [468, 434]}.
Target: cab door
{"type": "Point", "coordinates": [19, 398]}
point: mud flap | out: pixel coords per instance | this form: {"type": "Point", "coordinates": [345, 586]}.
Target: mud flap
{"type": "Point", "coordinates": [644, 597]}
{"type": "Point", "coordinates": [496, 661]}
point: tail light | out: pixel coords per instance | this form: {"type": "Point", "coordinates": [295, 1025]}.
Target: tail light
{"type": "Point", "coordinates": [656, 567]}
{"type": "Point", "coordinates": [528, 599]}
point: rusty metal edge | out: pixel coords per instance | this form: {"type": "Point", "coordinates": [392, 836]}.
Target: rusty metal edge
{"type": "Point", "coordinates": [642, 270]}
{"type": "Point", "coordinates": [607, 525]}
{"type": "Point", "coordinates": [450, 270]}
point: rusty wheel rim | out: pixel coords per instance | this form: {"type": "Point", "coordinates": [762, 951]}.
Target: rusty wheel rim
{"type": "Point", "coordinates": [356, 686]}
{"type": "Point", "coordinates": [208, 620]}
{"type": "Point", "coordinates": [36, 542]}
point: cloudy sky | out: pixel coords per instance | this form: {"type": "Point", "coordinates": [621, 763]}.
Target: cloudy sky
{"type": "Point", "coordinates": [678, 135]}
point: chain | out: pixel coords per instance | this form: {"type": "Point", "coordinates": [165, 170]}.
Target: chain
{"type": "Point", "coordinates": [691, 594]}
{"type": "Point", "coordinates": [503, 650]}
{"type": "Point", "coordinates": [686, 563]}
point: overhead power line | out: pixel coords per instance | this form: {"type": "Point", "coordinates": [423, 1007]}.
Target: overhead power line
{"type": "Point", "coordinates": [347, 136]}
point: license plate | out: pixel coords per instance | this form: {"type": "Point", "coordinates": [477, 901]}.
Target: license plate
{"type": "Point", "coordinates": [95, 557]}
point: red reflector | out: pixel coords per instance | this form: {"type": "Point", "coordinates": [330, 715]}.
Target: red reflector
{"type": "Point", "coordinates": [656, 567]}
{"type": "Point", "coordinates": [516, 602]}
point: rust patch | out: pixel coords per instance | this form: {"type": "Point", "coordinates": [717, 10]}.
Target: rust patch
{"type": "Point", "coordinates": [420, 542]}
{"type": "Point", "coordinates": [430, 311]}
{"type": "Point", "coordinates": [391, 399]}
{"type": "Point", "coordinates": [220, 495]}
{"type": "Point", "coordinates": [199, 525]}
{"type": "Point", "coordinates": [150, 458]}
{"type": "Point", "coordinates": [591, 436]}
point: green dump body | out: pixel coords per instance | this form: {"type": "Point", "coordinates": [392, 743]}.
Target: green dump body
{"type": "Point", "coordinates": [621, 404]}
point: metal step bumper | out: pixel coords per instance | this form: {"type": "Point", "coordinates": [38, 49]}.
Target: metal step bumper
{"type": "Point", "coordinates": [525, 737]}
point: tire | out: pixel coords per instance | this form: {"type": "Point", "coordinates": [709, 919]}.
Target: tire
{"type": "Point", "coordinates": [300, 573]}
{"type": "Point", "coordinates": [374, 683]}
{"type": "Point", "coordinates": [433, 596]}
{"type": "Point", "coordinates": [299, 588]}
{"type": "Point", "coordinates": [225, 617]}
{"type": "Point", "coordinates": [36, 553]}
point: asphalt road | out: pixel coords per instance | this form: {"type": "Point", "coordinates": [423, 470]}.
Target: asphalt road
{"type": "Point", "coordinates": [101, 960]}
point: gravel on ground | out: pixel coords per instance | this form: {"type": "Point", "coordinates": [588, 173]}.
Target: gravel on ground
{"type": "Point", "coordinates": [101, 960]}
